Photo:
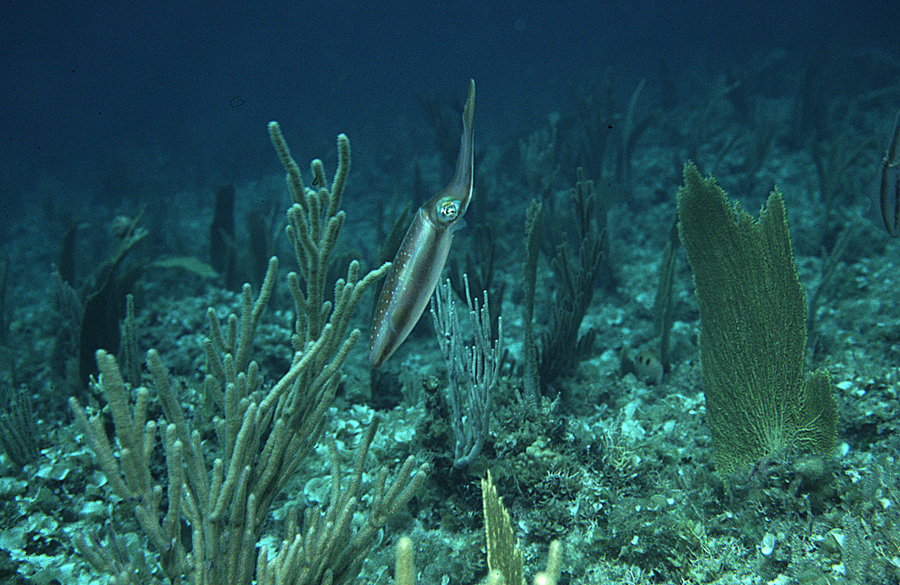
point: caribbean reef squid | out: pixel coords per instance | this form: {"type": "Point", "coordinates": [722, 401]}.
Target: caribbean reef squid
{"type": "Point", "coordinates": [890, 184]}
{"type": "Point", "coordinates": [416, 269]}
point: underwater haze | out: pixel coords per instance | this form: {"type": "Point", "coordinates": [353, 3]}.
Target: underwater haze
{"type": "Point", "coordinates": [86, 84]}
{"type": "Point", "coordinates": [659, 241]}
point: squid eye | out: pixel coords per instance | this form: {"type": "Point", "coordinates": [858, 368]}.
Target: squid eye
{"type": "Point", "coordinates": [448, 210]}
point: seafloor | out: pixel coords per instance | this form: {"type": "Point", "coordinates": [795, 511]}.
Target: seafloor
{"type": "Point", "coordinates": [619, 469]}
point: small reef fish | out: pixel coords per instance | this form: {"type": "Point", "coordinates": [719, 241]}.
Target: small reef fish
{"type": "Point", "coordinates": [416, 269]}
{"type": "Point", "coordinates": [644, 365]}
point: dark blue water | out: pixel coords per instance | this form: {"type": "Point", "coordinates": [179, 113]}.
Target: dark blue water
{"type": "Point", "coordinates": [85, 86]}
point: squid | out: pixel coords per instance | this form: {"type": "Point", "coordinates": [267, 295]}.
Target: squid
{"type": "Point", "coordinates": [416, 269]}
{"type": "Point", "coordinates": [890, 184]}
